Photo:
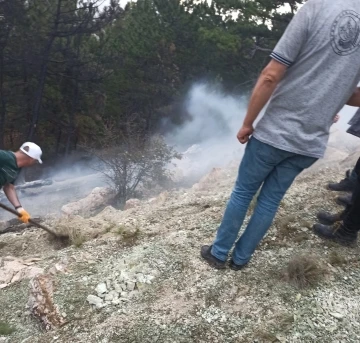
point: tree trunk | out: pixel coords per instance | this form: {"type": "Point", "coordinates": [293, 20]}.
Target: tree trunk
{"type": "Point", "coordinates": [42, 76]}
{"type": "Point", "coordinates": [71, 129]}
{"type": "Point", "coordinates": [2, 101]}
{"type": "Point", "coordinates": [58, 140]}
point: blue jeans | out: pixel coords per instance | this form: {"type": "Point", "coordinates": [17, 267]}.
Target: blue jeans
{"type": "Point", "coordinates": [274, 170]}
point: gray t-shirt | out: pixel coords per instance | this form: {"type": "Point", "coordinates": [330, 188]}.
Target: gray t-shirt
{"type": "Point", "coordinates": [321, 47]}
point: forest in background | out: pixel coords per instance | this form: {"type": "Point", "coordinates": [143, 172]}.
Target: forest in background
{"type": "Point", "coordinates": [77, 73]}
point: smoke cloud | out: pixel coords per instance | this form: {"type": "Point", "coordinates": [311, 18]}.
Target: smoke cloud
{"type": "Point", "coordinates": [208, 140]}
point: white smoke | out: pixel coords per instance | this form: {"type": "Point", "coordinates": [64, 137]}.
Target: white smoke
{"type": "Point", "coordinates": [208, 140]}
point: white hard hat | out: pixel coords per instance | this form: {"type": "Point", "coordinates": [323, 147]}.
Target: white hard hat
{"type": "Point", "coordinates": [33, 151]}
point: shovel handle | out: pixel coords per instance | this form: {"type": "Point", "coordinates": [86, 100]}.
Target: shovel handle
{"type": "Point", "coordinates": [16, 213]}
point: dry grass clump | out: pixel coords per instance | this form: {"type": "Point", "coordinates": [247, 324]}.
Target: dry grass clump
{"type": "Point", "coordinates": [283, 225]}
{"type": "Point", "coordinates": [304, 271]}
{"type": "Point", "coordinates": [76, 237]}
{"type": "Point", "coordinates": [6, 329]}
{"type": "Point", "coordinates": [335, 259]}
{"type": "Point", "coordinates": [129, 235]}
{"type": "Point", "coordinates": [266, 336]}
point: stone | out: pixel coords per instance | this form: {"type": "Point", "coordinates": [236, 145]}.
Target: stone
{"type": "Point", "coordinates": [133, 294]}
{"type": "Point", "coordinates": [111, 296]}
{"type": "Point", "coordinates": [41, 302]}
{"type": "Point", "coordinates": [140, 277]}
{"type": "Point", "coordinates": [101, 288]}
{"type": "Point", "coordinates": [118, 288]}
{"type": "Point", "coordinates": [337, 315]}
{"type": "Point", "coordinates": [99, 197]}
{"type": "Point", "coordinates": [108, 284]}
{"type": "Point", "coordinates": [131, 286]}
{"type": "Point", "coordinates": [124, 276]}
{"type": "Point", "coordinates": [108, 297]}
{"type": "Point", "coordinates": [132, 203]}
{"type": "Point", "coordinates": [124, 299]}
{"type": "Point", "coordinates": [94, 300]}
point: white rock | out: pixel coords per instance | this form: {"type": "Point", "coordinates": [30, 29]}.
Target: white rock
{"type": "Point", "coordinates": [118, 288]}
{"type": "Point", "coordinates": [94, 300]}
{"type": "Point", "coordinates": [131, 286]}
{"type": "Point", "coordinates": [101, 288]}
{"type": "Point", "coordinates": [108, 284]}
{"type": "Point", "coordinates": [132, 203]}
{"type": "Point", "coordinates": [108, 297]}
{"type": "Point", "coordinates": [124, 276]}
{"type": "Point", "coordinates": [133, 293]}
{"type": "Point", "coordinates": [337, 315]}
{"type": "Point", "coordinates": [112, 295]}
{"type": "Point", "coordinates": [87, 206]}
{"type": "Point", "coordinates": [140, 277]}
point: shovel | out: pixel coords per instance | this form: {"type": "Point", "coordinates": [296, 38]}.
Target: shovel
{"type": "Point", "coordinates": [51, 232]}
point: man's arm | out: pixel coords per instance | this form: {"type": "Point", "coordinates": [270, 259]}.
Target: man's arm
{"type": "Point", "coordinates": [264, 88]}
{"type": "Point", "coordinates": [10, 192]}
{"type": "Point", "coordinates": [355, 99]}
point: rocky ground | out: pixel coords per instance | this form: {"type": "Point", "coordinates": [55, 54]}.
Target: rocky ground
{"type": "Point", "coordinates": [136, 275]}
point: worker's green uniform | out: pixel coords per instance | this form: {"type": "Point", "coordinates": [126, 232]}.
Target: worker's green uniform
{"type": "Point", "coordinates": [9, 169]}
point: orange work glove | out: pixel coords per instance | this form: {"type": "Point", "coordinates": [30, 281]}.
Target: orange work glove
{"type": "Point", "coordinates": [24, 216]}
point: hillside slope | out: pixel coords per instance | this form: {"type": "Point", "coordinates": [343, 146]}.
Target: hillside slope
{"type": "Point", "coordinates": [163, 292]}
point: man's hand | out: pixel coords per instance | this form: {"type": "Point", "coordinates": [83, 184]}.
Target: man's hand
{"type": "Point", "coordinates": [244, 134]}
{"type": "Point", "coordinates": [336, 118]}
{"type": "Point", "coordinates": [24, 216]}
{"type": "Point", "coordinates": [355, 98]}
{"type": "Point", "coordinates": [264, 88]}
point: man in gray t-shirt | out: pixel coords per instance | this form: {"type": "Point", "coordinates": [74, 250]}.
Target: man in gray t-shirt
{"type": "Point", "coordinates": [313, 73]}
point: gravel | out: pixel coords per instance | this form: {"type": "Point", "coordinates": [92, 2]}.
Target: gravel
{"type": "Point", "coordinates": [153, 286]}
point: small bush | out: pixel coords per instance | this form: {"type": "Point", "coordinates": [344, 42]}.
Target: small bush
{"type": "Point", "coordinates": [109, 228]}
{"type": "Point", "coordinates": [129, 236]}
{"type": "Point", "coordinates": [285, 321]}
{"type": "Point", "coordinates": [6, 329]}
{"type": "Point", "coordinates": [137, 163]}
{"type": "Point", "coordinates": [307, 224]}
{"type": "Point", "coordinates": [76, 237]}
{"type": "Point", "coordinates": [336, 260]}
{"type": "Point", "coordinates": [283, 224]}
{"type": "Point", "coordinates": [266, 336]}
{"type": "Point", "coordinates": [304, 271]}
{"type": "Point", "coordinates": [301, 237]}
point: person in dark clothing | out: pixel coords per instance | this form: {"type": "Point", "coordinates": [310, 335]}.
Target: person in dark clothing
{"type": "Point", "coordinates": [11, 164]}
{"type": "Point", "coordinates": [344, 227]}
{"type": "Point", "coordinates": [349, 182]}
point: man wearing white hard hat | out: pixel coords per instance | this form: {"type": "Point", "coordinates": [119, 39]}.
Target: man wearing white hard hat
{"type": "Point", "coordinates": [11, 164]}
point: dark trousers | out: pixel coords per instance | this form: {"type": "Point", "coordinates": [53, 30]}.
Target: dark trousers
{"type": "Point", "coordinates": [352, 215]}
